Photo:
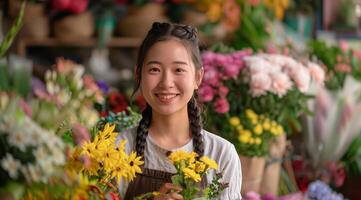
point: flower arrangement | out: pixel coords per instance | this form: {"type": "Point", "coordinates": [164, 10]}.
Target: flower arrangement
{"type": "Point", "coordinates": [272, 85]}
{"type": "Point", "coordinates": [67, 89]}
{"type": "Point", "coordinates": [28, 152]}
{"type": "Point", "coordinates": [338, 62]}
{"type": "Point", "coordinates": [253, 132]}
{"type": "Point", "coordinates": [190, 170]}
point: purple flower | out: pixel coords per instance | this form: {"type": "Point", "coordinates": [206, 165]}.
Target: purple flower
{"type": "Point", "coordinates": [319, 190]}
{"type": "Point", "coordinates": [37, 84]}
{"type": "Point", "coordinates": [221, 105]}
{"type": "Point", "coordinates": [103, 86]}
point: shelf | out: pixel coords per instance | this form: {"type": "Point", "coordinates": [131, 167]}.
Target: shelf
{"type": "Point", "coordinates": [24, 43]}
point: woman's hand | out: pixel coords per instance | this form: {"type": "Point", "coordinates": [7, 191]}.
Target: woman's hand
{"type": "Point", "coordinates": [169, 192]}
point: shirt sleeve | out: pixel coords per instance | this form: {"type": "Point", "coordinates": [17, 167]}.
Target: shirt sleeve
{"type": "Point", "coordinates": [232, 174]}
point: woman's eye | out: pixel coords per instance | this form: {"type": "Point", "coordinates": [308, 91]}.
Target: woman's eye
{"type": "Point", "coordinates": [154, 69]}
{"type": "Point", "coordinates": [180, 70]}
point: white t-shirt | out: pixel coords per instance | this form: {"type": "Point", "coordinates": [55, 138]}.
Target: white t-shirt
{"type": "Point", "coordinates": [215, 147]}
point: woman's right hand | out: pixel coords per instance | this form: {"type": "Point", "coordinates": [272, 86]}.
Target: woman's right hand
{"type": "Point", "coordinates": [169, 191]}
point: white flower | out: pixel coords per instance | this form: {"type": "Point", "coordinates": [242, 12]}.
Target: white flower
{"type": "Point", "coordinates": [281, 83]}
{"type": "Point", "coordinates": [41, 153]}
{"type": "Point", "coordinates": [18, 139]}
{"type": "Point", "coordinates": [10, 165]}
{"type": "Point", "coordinates": [260, 84]}
{"type": "Point", "coordinates": [58, 157]}
{"type": "Point", "coordinates": [47, 166]}
{"type": "Point", "coordinates": [34, 172]}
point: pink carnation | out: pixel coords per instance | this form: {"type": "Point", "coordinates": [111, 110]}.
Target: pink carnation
{"type": "Point", "coordinates": [316, 72]}
{"type": "Point", "coordinates": [223, 91]}
{"type": "Point", "coordinates": [221, 105]}
{"type": "Point", "coordinates": [260, 84]}
{"type": "Point", "coordinates": [281, 83]}
{"type": "Point", "coordinates": [206, 93]}
{"type": "Point", "coordinates": [211, 76]}
{"type": "Point", "coordinates": [302, 78]}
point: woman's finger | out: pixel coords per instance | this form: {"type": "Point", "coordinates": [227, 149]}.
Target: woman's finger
{"type": "Point", "coordinates": [169, 187]}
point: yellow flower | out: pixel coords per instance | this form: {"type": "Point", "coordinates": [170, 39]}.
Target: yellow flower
{"type": "Point", "coordinates": [258, 129]}
{"type": "Point", "coordinates": [245, 138]}
{"type": "Point", "coordinates": [120, 171]}
{"type": "Point", "coordinates": [209, 162]}
{"type": "Point", "coordinates": [245, 132]}
{"type": "Point", "coordinates": [239, 127]}
{"type": "Point", "coordinates": [234, 121]}
{"type": "Point", "coordinates": [88, 149]}
{"type": "Point", "coordinates": [199, 167]}
{"type": "Point", "coordinates": [177, 156]}
{"type": "Point", "coordinates": [134, 162]}
{"type": "Point", "coordinates": [251, 115]}
{"type": "Point", "coordinates": [107, 133]}
{"type": "Point", "coordinates": [155, 194]}
{"type": "Point", "coordinates": [191, 174]}
{"type": "Point", "coordinates": [109, 158]}
{"type": "Point", "coordinates": [257, 140]}
{"type": "Point", "coordinates": [214, 12]}
{"type": "Point", "coordinates": [266, 125]}
{"type": "Point", "coordinates": [274, 131]}
{"type": "Point", "coordinates": [280, 130]}
{"type": "Point", "coordinates": [251, 140]}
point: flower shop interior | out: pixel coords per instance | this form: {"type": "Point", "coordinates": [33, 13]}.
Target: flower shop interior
{"type": "Point", "coordinates": [282, 83]}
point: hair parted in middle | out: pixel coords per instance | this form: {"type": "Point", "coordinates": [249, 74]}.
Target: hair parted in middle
{"type": "Point", "coordinates": [187, 35]}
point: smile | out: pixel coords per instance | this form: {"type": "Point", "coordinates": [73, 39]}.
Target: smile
{"type": "Point", "coordinates": [166, 98]}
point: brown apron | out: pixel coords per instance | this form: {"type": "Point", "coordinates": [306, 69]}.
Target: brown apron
{"type": "Point", "coordinates": [150, 180]}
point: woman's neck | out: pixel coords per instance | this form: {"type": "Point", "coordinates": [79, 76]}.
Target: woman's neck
{"type": "Point", "coordinates": [170, 131]}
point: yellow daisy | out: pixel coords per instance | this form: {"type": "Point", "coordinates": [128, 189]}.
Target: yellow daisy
{"type": "Point", "coordinates": [191, 174]}
{"type": "Point", "coordinates": [134, 162]}
{"type": "Point", "coordinates": [209, 162]}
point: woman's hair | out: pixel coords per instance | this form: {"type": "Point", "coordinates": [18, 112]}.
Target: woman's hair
{"type": "Point", "coordinates": [187, 35]}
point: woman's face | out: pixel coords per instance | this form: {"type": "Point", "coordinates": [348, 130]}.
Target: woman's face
{"type": "Point", "coordinates": [169, 77]}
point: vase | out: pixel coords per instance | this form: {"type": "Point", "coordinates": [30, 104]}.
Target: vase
{"type": "Point", "coordinates": [252, 173]}
{"type": "Point", "coordinates": [271, 175]}
{"type": "Point", "coordinates": [140, 19]}
{"type": "Point", "coordinates": [76, 26]}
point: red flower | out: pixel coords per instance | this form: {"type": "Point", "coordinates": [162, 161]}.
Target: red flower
{"type": "Point", "coordinates": [114, 196]}
{"type": "Point", "coordinates": [140, 102]}
{"type": "Point", "coordinates": [117, 102]}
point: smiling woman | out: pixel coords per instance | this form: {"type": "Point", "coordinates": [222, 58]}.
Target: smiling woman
{"type": "Point", "coordinates": [169, 72]}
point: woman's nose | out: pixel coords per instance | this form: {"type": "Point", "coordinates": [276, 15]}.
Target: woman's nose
{"type": "Point", "coordinates": [167, 80]}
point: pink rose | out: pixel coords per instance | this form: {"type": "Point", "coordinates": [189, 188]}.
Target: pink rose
{"type": "Point", "coordinates": [281, 83]}
{"type": "Point", "coordinates": [223, 91]}
{"type": "Point", "coordinates": [206, 93]}
{"type": "Point", "coordinates": [316, 72]}
{"type": "Point", "coordinates": [221, 105]}
{"type": "Point", "coordinates": [208, 58]}
{"type": "Point", "coordinates": [260, 84]}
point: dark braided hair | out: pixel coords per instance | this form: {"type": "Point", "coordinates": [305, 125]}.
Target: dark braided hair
{"type": "Point", "coordinates": [187, 35]}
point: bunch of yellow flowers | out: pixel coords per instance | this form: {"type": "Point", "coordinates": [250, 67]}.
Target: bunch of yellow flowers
{"type": "Point", "coordinates": [104, 157]}
{"type": "Point", "coordinates": [254, 132]}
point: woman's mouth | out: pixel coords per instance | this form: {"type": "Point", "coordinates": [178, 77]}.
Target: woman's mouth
{"type": "Point", "coordinates": [166, 98]}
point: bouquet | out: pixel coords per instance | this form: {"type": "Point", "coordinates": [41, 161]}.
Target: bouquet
{"type": "Point", "coordinates": [271, 85]}
{"type": "Point", "coordinates": [190, 171]}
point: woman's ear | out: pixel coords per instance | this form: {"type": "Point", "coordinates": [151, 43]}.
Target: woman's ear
{"type": "Point", "coordinates": [199, 77]}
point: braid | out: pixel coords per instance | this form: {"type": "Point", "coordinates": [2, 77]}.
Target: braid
{"type": "Point", "coordinates": [142, 130]}
{"type": "Point", "coordinates": [195, 119]}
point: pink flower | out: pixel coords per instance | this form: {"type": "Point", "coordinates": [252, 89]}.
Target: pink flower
{"type": "Point", "coordinates": [221, 105]}
{"type": "Point", "coordinates": [80, 134]}
{"type": "Point", "coordinates": [26, 108]}
{"type": "Point", "coordinates": [343, 45]}
{"type": "Point", "coordinates": [206, 93]}
{"type": "Point", "coordinates": [211, 76]}
{"type": "Point", "coordinates": [208, 58]}
{"type": "Point", "coordinates": [281, 83]}
{"type": "Point", "coordinates": [302, 78]}
{"type": "Point", "coordinates": [221, 59]}
{"type": "Point", "coordinates": [260, 84]}
{"type": "Point", "coordinates": [78, 6]}
{"type": "Point", "coordinates": [341, 67]}
{"type": "Point", "coordinates": [231, 70]}
{"type": "Point", "coordinates": [254, 2]}
{"type": "Point", "coordinates": [316, 72]}
{"type": "Point", "coordinates": [223, 91]}
{"type": "Point", "coordinates": [252, 196]}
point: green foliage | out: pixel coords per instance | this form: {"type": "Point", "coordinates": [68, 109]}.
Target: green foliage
{"type": "Point", "coordinates": [352, 158]}
{"type": "Point", "coordinates": [333, 56]}
{"type": "Point", "coordinates": [9, 38]}
{"type": "Point", "coordinates": [252, 32]}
